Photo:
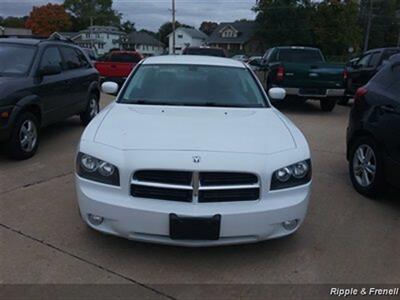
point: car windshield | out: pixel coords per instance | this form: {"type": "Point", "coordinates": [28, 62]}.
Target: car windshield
{"type": "Point", "coordinates": [15, 59]}
{"type": "Point", "coordinates": [300, 56]}
{"type": "Point", "coordinates": [193, 85]}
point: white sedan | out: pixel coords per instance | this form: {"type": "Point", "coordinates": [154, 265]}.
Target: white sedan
{"type": "Point", "coordinates": [192, 153]}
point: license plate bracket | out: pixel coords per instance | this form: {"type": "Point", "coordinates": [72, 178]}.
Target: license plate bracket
{"type": "Point", "coordinates": [191, 228]}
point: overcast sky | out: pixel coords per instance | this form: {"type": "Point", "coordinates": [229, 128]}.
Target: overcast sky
{"type": "Point", "coordinates": [150, 14]}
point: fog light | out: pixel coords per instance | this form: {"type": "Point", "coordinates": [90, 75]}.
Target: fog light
{"type": "Point", "coordinates": [290, 225]}
{"type": "Point", "coordinates": [95, 220]}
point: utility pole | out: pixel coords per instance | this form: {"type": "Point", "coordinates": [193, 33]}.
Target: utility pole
{"type": "Point", "coordinates": [90, 32]}
{"type": "Point", "coordinates": [173, 27]}
{"type": "Point", "coordinates": [370, 16]}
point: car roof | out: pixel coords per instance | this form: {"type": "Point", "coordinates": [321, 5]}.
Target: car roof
{"type": "Point", "coordinates": [297, 47]}
{"type": "Point", "coordinates": [381, 49]}
{"type": "Point", "coordinates": [34, 42]}
{"type": "Point", "coordinates": [193, 60]}
{"type": "Point", "coordinates": [20, 41]}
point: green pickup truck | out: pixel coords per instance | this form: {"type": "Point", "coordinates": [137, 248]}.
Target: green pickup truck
{"type": "Point", "coordinates": [304, 74]}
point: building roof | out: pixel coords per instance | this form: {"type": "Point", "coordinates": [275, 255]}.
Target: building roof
{"type": "Point", "coordinates": [102, 29]}
{"type": "Point", "coordinates": [193, 60]}
{"type": "Point", "coordinates": [194, 33]}
{"type": "Point", "coordinates": [245, 31]}
{"type": "Point", "coordinates": [143, 38]}
{"type": "Point", "coordinates": [10, 31]}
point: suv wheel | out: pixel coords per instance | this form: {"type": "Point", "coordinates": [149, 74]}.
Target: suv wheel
{"type": "Point", "coordinates": [91, 111]}
{"type": "Point", "coordinates": [25, 137]}
{"type": "Point", "coordinates": [366, 167]}
{"type": "Point", "coordinates": [328, 104]}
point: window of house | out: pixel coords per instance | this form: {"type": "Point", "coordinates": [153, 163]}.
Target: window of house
{"type": "Point", "coordinates": [88, 35]}
{"type": "Point", "coordinates": [180, 36]}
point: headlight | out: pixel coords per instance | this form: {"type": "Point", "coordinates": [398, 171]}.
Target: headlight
{"type": "Point", "coordinates": [293, 175]}
{"type": "Point", "coordinates": [95, 169]}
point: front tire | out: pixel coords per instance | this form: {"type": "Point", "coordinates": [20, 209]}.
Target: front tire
{"type": "Point", "coordinates": [328, 104]}
{"type": "Point", "coordinates": [91, 110]}
{"type": "Point", "coordinates": [366, 167]}
{"type": "Point", "coordinates": [25, 137]}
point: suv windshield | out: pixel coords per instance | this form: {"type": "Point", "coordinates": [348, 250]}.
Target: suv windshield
{"type": "Point", "coordinates": [300, 55]}
{"type": "Point", "coordinates": [15, 59]}
{"type": "Point", "coordinates": [194, 85]}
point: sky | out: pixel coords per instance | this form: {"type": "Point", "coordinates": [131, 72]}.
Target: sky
{"type": "Point", "coordinates": [150, 14]}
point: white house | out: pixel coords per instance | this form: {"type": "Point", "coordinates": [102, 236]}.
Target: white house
{"type": "Point", "coordinates": [144, 43]}
{"type": "Point", "coordinates": [101, 38]}
{"type": "Point", "coordinates": [185, 37]}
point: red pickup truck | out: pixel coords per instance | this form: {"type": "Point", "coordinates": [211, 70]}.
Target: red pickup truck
{"type": "Point", "coordinates": [117, 65]}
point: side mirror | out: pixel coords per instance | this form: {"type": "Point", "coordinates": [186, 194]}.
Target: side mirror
{"type": "Point", "coordinates": [109, 87]}
{"type": "Point", "coordinates": [49, 70]}
{"type": "Point", "coordinates": [277, 93]}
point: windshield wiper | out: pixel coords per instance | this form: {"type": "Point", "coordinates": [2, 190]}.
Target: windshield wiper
{"type": "Point", "coordinates": [150, 102]}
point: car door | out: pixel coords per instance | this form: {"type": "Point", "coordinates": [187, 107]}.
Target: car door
{"type": "Point", "coordinates": [52, 89]}
{"type": "Point", "coordinates": [388, 120]}
{"type": "Point", "coordinates": [78, 73]}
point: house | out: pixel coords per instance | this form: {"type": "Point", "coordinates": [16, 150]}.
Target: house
{"type": "Point", "coordinates": [101, 38]}
{"type": "Point", "coordinates": [15, 32]}
{"type": "Point", "coordinates": [144, 43]}
{"type": "Point", "coordinates": [236, 37]}
{"type": "Point", "coordinates": [185, 37]}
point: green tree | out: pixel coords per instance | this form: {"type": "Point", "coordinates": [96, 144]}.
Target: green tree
{"type": "Point", "coordinates": [16, 22]}
{"type": "Point", "coordinates": [385, 24]}
{"type": "Point", "coordinates": [98, 11]}
{"type": "Point", "coordinates": [336, 27]}
{"type": "Point", "coordinates": [166, 29]}
{"type": "Point", "coordinates": [208, 27]}
{"type": "Point", "coordinates": [128, 26]}
{"type": "Point", "coordinates": [284, 22]}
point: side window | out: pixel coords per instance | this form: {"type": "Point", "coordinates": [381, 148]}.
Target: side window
{"type": "Point", "coordinates": [388, 53]}
{"type": "Point", "coordinates": [363, 61]}
{"type": "Point", "coordinates": [396, 83]}
{"type": "Point", "coordinates": [71, 59]}
{"type": "Point", "coordinates": [374, 60]}
{"type": "Point", "coordinates": [51, 57]}
{"type": "Point", "coordinates": [82, 59]}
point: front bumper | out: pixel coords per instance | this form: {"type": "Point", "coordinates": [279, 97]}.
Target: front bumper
{"type": "Point", "coordinates": [147, 220]}
{"type": "Point", "coordinates": [328, 93]}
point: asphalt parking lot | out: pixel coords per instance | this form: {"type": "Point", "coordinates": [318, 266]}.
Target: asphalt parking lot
{"type": "Point", "coordinates": [346, 238]}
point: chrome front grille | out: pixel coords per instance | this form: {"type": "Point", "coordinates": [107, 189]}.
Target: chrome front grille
{"type": "Point", "coordinates": [201, 187]}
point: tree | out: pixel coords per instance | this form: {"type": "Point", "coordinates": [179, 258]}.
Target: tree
{"type": "Point", "coordinates": [284, 22]}
{"type": "Point", "coordinates": [46, 19]}
{"type": "Point", "coordinates": [166, 29]}
{"type": "Point", "coordinates": [385, 24]}
{"type": "Point", "coordinates": [208, 27]}
{"type": "Point", "coordinates": [98, 12]}
{"type": "Point", "coordinates": [16, 22]}
{"type": "Point", "coordinates": [128, 26]}
{"type": "Point", "coordinates": [336, 27]}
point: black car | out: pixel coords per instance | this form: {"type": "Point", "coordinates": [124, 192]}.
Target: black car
{"type": "Point", "coordinates": [42, 82]}
{"type": "Point", "coordinates": [364, 68]}
{"type": "Point", "coordinates": [373, 134]}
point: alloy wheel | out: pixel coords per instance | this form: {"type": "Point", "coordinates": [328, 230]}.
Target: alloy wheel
{"type": "Point", "coordinates": [364, 165]}
{"type": "Point", "coordinates": [28, 135]}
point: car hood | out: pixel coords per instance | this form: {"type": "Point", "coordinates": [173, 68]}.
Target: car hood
{"type": "Point", "coordinates": [244, 130]}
